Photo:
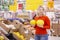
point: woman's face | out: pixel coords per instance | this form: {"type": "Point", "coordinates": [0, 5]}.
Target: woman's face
{"type": "Point", "coordinates": [40, 11]}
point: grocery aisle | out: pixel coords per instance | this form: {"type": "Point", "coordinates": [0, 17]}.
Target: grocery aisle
{"type": "Point", "coordinates": [23, 19]}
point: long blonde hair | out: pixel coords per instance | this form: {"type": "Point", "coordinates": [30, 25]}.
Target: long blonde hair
{"type": "Point", "coordinates": [40, 9]}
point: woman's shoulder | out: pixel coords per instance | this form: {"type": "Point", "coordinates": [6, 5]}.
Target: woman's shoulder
{"type": "Point", "coordinates": [45, 16]}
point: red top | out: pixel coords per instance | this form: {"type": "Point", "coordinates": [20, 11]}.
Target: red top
{"type": "Point", "coordinates": [46, 25]}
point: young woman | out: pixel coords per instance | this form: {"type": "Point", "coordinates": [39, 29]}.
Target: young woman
{"type": "Point", "coordinates": [41, 32]}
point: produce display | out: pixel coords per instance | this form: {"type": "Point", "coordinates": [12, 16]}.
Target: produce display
{"type": "Point", "coordinates": [1, 38]}
{"type": "Point", "coordinates": [19, 35]}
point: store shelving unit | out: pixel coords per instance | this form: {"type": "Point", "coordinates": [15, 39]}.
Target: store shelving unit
{"type": "Point", "coordinates": [23, 2]}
